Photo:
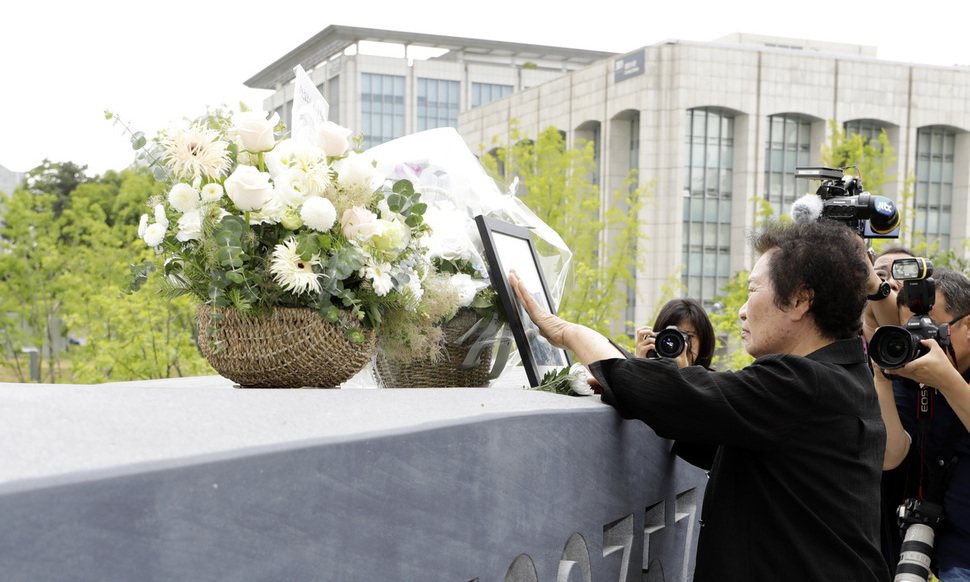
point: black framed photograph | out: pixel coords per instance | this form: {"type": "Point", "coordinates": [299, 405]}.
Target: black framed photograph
{"type": "Point", "coordinates": [510, 247]}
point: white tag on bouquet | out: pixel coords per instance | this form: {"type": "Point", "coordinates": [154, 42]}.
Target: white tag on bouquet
{"type": "Point", "coordinates": [310, 109]}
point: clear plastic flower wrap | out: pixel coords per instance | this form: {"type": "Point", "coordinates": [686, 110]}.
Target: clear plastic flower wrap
{"type": "Point", "coordinates": [456, 188]}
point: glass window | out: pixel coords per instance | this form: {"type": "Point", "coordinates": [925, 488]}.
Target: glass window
{"type": "Point", "coordinates": [788, 145]}
{"type": "Point", "coordinates": [483, 93]}
{"type": "Point", "coordinates": [933, 196]}
{"type": "Point", "coordinates": [709, 169]}
{"type": "Point", "coordinates": [381, 108]}
{"type": "Point", "coordinates": [437, 103]}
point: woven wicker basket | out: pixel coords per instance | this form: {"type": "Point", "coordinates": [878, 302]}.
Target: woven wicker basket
{"type": "Point", "coordinates": [290, 348]}
{"type": "Point", "coordinates": [445, 373]}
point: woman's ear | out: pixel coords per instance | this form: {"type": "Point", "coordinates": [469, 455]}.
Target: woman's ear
{"type": "Point", "coordinates": [801, 302]}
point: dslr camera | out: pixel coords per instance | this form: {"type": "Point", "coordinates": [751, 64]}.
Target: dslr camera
{"type": "Point", "coordinates": [894, 346]}
{"type": "Point", "coordinates": [845, 200]}
{"type": "Point", "coordinates": [670, 343]}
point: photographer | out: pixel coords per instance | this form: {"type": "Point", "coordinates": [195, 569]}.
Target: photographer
{"type": "Point", "coordinates": [793, 494]}
{"type": "Point", "coordinates": [689, 317]}
{"type": "Point", "coordinates": [939, 430]}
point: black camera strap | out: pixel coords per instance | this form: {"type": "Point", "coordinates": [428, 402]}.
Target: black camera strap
{"type": "Point", "coordinates": [934, 472]}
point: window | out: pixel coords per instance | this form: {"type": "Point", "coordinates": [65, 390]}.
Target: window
{"type": "Point", "coordinates": [934, 183]}
{"type": "Point", "coordinates": [708, 184]}
{"type": "Point", "coordinates": [869, 129]}
{"type": "Point", "coordinates": [483, 93]}
{"type": "Point", "coordinates": [333, 98]}
{"type": "Point", "coordinates": [631, 295]}
{"type": "Point", "coordinates": [788, 146]}
{"type": "Point", "coordinates": [438, 103]}
{"type": "Point", "coordinates": [381, 108]}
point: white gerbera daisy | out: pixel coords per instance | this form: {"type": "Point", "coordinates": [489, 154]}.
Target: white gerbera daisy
{"type": "Point", "coordinates": [380, 275]}
{"type": "Point", "coordinates": [318, 213]}
{"type": "Point", "coordinates": [291, 272]}
{"type": "Point", "coordinates": [197, 151]}
{"type": "Point", "coordinates": [183, 197]}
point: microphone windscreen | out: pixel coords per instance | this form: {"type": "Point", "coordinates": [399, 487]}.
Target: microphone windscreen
{"type": "Point", "coordinates": [808, 208]}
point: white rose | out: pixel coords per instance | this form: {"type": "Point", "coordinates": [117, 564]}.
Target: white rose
{"type": "Point", "coordinates": [467, 288]}
{"type": "Point", "coordinates": [255, 131]}
{"type": "Point", "coordinates": [190, 226]}
{"type": "Point", "coordinates": [334, 139]}
{"type": "Point", "coordinates": [248, 188]}
{"type": "Point", "coordinates": [319, 214]}
{"type": "Point", "coordinates": [394, 236]}
{"type": "Point", "coordinates": [212, 192]}
{"type": "Point", "coordinates": [154, 234]}
{"type": "Point", "coordinates": [357, 171]}
{"type": "Point", "coordinates": [359, 224]}
{"type": "Point", "coordinates": [183, 197]}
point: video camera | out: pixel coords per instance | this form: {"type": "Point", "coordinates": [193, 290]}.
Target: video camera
{"type": "Point", "coordinates": [917, 519]}
{"type": "Point", "coordinates": [894, 346]}
{"type": "Point", "coordinates": [844, 200]}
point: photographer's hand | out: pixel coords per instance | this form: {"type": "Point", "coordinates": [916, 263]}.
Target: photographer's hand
{"type": "Point", "coordinates": [932, 369]}
{"type": "Point", "coordinates": [646, 341]}
{"type": "Point", "coordinates": [898, 440]}
{"type": "Point", "coordinates": [586, 344]}
{"type": "Point", "coordinates": [935, 369]}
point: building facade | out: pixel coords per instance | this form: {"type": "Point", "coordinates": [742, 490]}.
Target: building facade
{"type": "Point", "coordinates": [717, 128]}
{"type": "Point", "coordinates": [417, 82]}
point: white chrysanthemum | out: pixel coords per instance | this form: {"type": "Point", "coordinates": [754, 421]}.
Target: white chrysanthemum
{"type": "Point", "coordinates": [318, 213]}
{"type": "Point", "coordinates": [291, 272]}
{"type": "Point", "coordinates": [183, 197]}
{"type": "Point", "coordinates": [212, 192]}
{"type": "Point", "coordinates": [197, 151]}
{"type": "Point", "coordinates": [380, 275]}
{"type": "Point", "coordinates": [154, 234]}
{"type": "Point", "coordinates": [160, 216]}
{"type": "Point", "coordinates": [466, 287]}
{"type": "Point", "coordinates": [577, 380]}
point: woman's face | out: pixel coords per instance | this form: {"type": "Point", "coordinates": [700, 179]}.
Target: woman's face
{"type": "Point", "coordinates": [694, 348]}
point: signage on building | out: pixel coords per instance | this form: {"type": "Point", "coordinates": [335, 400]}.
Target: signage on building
{"type": "Point", "coordinates": [627, 66]}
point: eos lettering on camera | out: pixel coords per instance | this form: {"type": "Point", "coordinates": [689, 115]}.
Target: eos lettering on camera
{"type": "Point", "coordinates": [670, 343]}
{"type": "Point", "coordinates": [894, 346]}
{"type": "Point", "coordinates": [846, 201]}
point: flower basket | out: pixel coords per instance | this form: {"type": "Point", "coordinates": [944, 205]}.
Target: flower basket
{"type": "Point", "coordinates": [446, 371]}
{"type": "Point", "coordinates": [290, 348]}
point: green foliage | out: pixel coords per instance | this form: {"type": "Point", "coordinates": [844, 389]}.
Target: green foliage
{"type": "Point", "coordinates": [727, 325]}
{"type": "Point", "coordinates": [555, 184]}
{"type": "Point", "coordinates": [62, 276]}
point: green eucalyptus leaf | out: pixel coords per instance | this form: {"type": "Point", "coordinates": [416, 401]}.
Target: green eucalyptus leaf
{"type": "Point", "coordinates": [307, 245]}
{"type": "Point", "coordinates": [403, 187]}
{"type": "Point", "coordinates": [419, 208]}
{"type": "Point", "coordinates": [138, 140]}
{"type": "Point", "coordinates": [395, 202]}
{"type": "Point", "coordinates": [235, 277]}
{"type": "Point", "coordinates": [413, 220]}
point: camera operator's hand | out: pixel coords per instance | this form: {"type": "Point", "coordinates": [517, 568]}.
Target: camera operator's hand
{"type": "Point", "coordinates": [877, 312]}
{"type": "Point", "coordinates": [932, 369]}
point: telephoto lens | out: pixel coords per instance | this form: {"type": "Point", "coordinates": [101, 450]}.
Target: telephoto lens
{"type": "Point", "coordinates": [915, 554]}
{"type": "Point", "coordinates": [671, 342]}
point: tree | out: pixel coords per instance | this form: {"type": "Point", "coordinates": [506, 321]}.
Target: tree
{"type": "Point", "coordinates": [556, 185]}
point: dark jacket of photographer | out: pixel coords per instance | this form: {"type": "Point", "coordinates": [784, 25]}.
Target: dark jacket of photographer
{"type": "Point", "coordinates": [946, 431]}
{"type": "Point", "coordinates": [794, 490]}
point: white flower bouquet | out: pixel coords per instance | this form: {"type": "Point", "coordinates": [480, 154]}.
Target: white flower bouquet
{"type": "Point", "coordinates": [457, 298]}
{"type": "Point", "coordinates": [252, 222]}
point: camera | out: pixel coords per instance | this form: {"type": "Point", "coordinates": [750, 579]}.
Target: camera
{"type": "Point", "coordinates": [671, 342]}
{"type": "Point", "coordinates": [845, 200]}
{"type": "Point", "coordinates": [894, 346]}
{"type": "Point", "coordinates": [917, 519]}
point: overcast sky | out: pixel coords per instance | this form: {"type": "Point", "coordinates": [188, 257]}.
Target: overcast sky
{"type": "Point", "coordinates": [64, 63]}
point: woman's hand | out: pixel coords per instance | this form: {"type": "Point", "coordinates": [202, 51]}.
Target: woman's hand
{"type": "Point", "coordinates": [552, 327]}
{"type": "Point", "coordinates": [646, 341]}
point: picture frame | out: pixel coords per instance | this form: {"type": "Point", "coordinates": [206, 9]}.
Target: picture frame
{"type": "Point", "coordinates": [508, 246]}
